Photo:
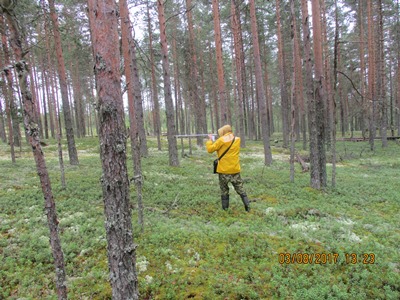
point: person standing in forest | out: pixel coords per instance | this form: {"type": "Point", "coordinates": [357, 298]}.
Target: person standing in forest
{"type": "Point", "coordinates": [228, 169]}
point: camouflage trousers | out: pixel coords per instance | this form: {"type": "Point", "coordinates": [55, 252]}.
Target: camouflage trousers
{"type": "Point", "coordinates": [236, 181]}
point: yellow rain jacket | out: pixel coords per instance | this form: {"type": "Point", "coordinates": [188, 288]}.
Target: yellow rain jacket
{"type": "Point", "coordinates": [230, 163]}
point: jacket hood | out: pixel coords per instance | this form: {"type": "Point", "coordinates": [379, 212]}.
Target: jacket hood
{"type": "Point", "coordinates": [224, 130]}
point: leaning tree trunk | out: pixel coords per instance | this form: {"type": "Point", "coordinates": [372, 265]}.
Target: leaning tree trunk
{"type": "Point", "coordinates": [169, 107]}
{"type": "Point", "coordinates": [260, 85]}
{"type": "Point", "coordinates": [31, 129]}
{"type": "Point", "coordinates": [73, 155]}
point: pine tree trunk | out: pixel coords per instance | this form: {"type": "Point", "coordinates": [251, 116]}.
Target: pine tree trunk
{"type": "Point", "coordinates": [371, 76]}
{"type": "Point", "coordinates": [197, 100]}
{"type": "Point", "coordinates": [8, 88]}
{"type": "Point", "coordinates": [299, 100]}
{"type": "Point", "coordinates": [115, 182]}
{"type": "Point", "coordinates": [268, 94]}
{"type": "Point", "coordinates": [171, 132]}
{"type": "Point", "coordinates": [327, 79]}
{"type": "Point", "coordinates": [238, 44]}
{"type": "Point", "coordinates": [31, 129]}
{"type": "Point", "coordinates": [214, 98]}
{"type": "Point", "coordinates": [32, 78]}
{"type": "Point", "coordinates": [381, 87]}
{"type": "Point", "coordinates": [177, 87]}
{"type": "Point", "coordinates": [282, 79]}
{"type": "Point", "coordinates": [320, 94]}
{"type": "Point", "coordinates": [220, 66]}
{"type": "Point", "coordinates": [203, 90]}
{"type": "Point", "coordinates": [142, 139]}
{"type": "Point", "coordinates": [3, 135]}
{"type": "Point", "coordinates": [46, 98]}
{"type": "Point", "coordinates": [260, 85]}
{"type": "Point", "coordinates": [132, 90]}
{"type": "Point", "coordinates": [45, 65]}
{"type": "Point", "coordinates": [398, 67]}
{"type": "Point", "coordinates": [335, 93]}
{"type": "Point", "coordinates": [73, 154]}
{"type": "Point", "coordinates": [156, 105]}
{"type": "Point", "coordinates": [364, 105]}
{"type": "Point", "coordinates": [312, 127]}
{"type": "Point", "coordinates": [46, 123]}
{"type": "Point", "coordinates": [398, 95]}
{"type": "Point", "coordinates": [293, 96]}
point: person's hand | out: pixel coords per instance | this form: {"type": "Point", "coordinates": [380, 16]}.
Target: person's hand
{"type": "Point", "coordinates": [210, 136]}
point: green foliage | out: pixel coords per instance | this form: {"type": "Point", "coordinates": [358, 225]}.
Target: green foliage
{"type": "Point", "coordinates": [190, 248]}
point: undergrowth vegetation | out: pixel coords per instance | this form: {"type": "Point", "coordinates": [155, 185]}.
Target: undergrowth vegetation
{"type": "Point", "coordinates": [346, 239]}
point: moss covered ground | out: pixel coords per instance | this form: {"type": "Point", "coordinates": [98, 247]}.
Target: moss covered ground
{"type": "Point", "coordinates": [296, 243]}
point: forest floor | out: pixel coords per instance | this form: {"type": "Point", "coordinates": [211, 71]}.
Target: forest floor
{"type": "Point", "coordinates": [296, 243]}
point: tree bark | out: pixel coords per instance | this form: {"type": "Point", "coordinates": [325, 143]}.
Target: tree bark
{"type": "Point", "coordinates": [214, 98]}
{"type": "Point", "coordinates": [238, 44]}
{"type": "Point", "coordinates": [260, 85]}
{"type": "Point", "coordinates": [381, 78]}
{"type": "Point", "coordinates": [73, 154]}
{"type": "Point", "coordinates": [199, 107]}
{"type": "Point", "coordinates": [8, 95]}
{"type": "Point", "coordinates": [314, 154]}
{"type": "Point", "coordinates": [220, 66]}
{"type": "Point", "coordinates": [171, 131]}
{"type": "Point", "coordinates": [9, 119]}
{"type": "Point", "coordinates": [282, 79]}
{"type": "Point", "coordinates": [180, 117]}
{"type": "Point", "coordinates": [371, 76]}
{"type": "Point", "coordinates": [320, 94]}
{"type": "Point", "coordinates": [335, 93]}
{"type": "Point", "coordinates": [294, 89]}
{"type": "Point", "coordinates": [364, 105]}
{"type": "Point", "coordinates": [3, 134]}
{"type": "Point", "coordinates": [327, 79]}
{"type": "Point", "coordinates": [31, 129]}
{"type": "Point", "coordinates": [132, 90]}
{"type": "Point", "coordinates": [115, 183]}
{"type": "Point", "coordinates": [398, 67]}
{"type": "Point", "coordinates": [154, 94]}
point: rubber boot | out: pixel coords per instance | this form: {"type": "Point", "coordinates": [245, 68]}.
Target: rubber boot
{"type": "Point", "coordinates": [225, 201]}
{"type": "Point", "coordinates": [246, 202]}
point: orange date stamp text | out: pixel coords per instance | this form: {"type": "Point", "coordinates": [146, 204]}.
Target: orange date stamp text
{"type": "Point", "coordinates": [326, 258]}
